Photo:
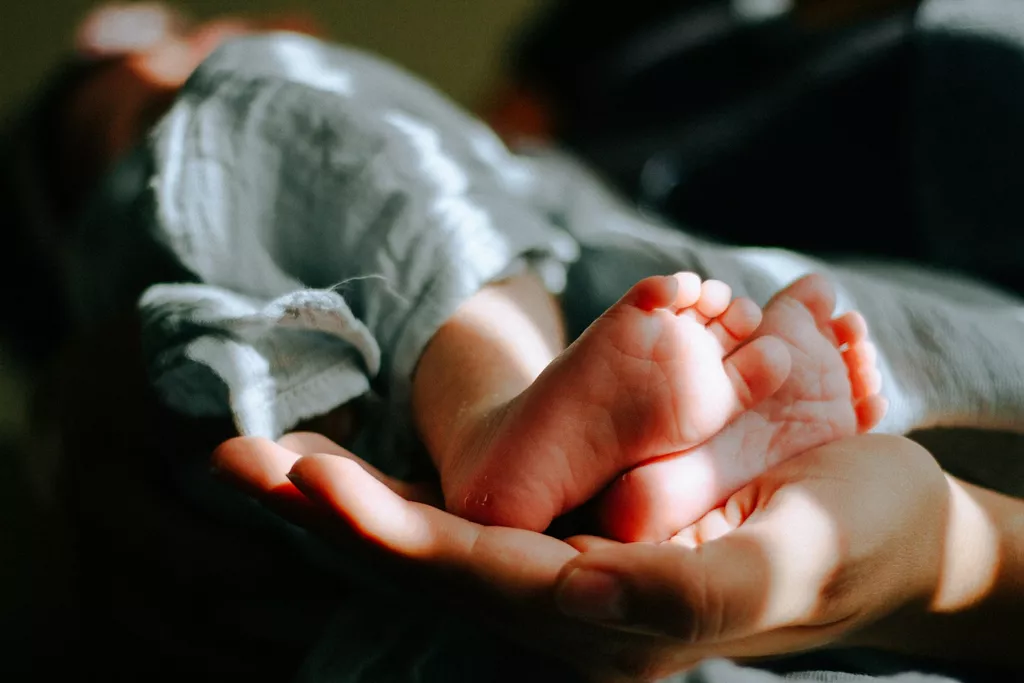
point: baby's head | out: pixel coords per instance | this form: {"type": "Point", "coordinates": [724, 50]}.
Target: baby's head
{"type": "Point", "coordinates": [130, 62]}
{"type": "Point", "coordinates": [126, 66]}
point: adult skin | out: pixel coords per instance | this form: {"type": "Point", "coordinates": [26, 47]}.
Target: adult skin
{"type": "Point", "coordinates": [861, 542]}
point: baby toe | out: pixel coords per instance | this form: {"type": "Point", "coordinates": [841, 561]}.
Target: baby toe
{"type": "Point", "coordinates": [870, 412]}
{"type": "Point", "coordinates": [664, 291]}
{"type": "Point", "coordinates": [715, 296]}
{"type": "Point", "coordinates": [689, 290]}
{"type": "Point", "coordinates": [861, 363]}
{"type": "Point", "coordinates": [734, 326]}
{"type": "Point", "coordinates": [850, 328]}
{"type": "Point", "coordinates": [815, 293]}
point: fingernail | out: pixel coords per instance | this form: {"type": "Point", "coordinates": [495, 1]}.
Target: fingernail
{"type": "Point", "coordinates": [297, 480]}
{"type": "Point", "coordinates": [593, 595]}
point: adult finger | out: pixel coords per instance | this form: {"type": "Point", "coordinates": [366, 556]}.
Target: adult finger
{"type": "Point", "coordinates": [340, 495]}
{"type": "Point", "coordinates": [768, 574]}
{"type": "Point", "coordinates": [505, 577]}
{"type": "Point", "coordinates": [509, 564]}
{"type": "Point", "coordinates": [310, 443]}
{"type": "Point", "coordinates": [259, 467]}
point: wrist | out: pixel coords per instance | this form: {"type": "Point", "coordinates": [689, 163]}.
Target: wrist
{"type": "Point", "coordinates": [973, 606]}
{"type": "Point", "coordinates": [922, 568]}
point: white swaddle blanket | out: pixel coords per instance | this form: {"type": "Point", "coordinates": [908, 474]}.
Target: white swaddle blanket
{"type": "Point", "coordinates": [313, 215]}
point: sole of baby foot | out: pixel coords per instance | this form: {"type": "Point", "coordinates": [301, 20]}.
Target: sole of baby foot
{"type": "Point", "coordinates": [832, 392]}
{"type": "Point", "coordinates": [663, 369]}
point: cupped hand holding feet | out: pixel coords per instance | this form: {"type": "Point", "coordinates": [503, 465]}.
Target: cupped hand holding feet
{"type": "Point", "coordinates": [824, 545]}
{"type": "Point", "coordinates": [850, 540]}
{"type": "Point", "coordinates": [686, 390]}
{"type": "Point", "coordinates": [662, 370]}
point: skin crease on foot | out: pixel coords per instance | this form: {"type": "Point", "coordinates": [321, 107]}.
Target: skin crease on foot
{"type": "Point", "coordinates": [660, 373]}
{"type": "Point", "coordinates": [831, 393]}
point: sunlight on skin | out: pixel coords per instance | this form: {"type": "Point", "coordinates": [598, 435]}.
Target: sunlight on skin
{"type": "Point", "coordinates": [529, 349]}
{"type": "Point", "coordinates": [802, 550]}
{"type": "Point", "coordinates": [378, 513]}
{"type": "Point", "coordinates": [807, 545]}
{"type": "Point", "coordinates": [500, 340]}
{"type": "Point", "coordinates": [522, 564]}
{"type": "Point", "coordinates": [793, 562]}
{"type": "Point", "coordinates": [698, 481]}
{"type": "Point", "coordinates": [713, 526]}
{"type": "Point", "coordinates": [971, 559]}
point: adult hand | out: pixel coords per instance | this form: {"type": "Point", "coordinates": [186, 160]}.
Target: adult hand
{"type": "Point", "coordinates": [504, 577]}
{"type": "Point", "coordinates": [824, 545]}
{"type": "Point", "coordinates": [829, 545]}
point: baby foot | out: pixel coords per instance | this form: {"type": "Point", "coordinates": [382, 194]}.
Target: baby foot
{"type": "Point", "coordinates": [831, 393]}
{"type": "Point", "coordinates": [659, 372]}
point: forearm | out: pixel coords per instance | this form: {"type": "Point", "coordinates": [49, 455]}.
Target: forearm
{"type": "Point", "coordinates": [491, 350]}
{"type": "Point", "coordinates": [976, 612]}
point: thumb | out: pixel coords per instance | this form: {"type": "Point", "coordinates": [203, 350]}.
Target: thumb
{"type": "Point", "coordinates": [696, 595]}
{"type": "Point", "coordinates": [769, 573]}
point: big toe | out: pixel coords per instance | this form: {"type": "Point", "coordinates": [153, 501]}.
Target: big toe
{"type": "Point", "coordinates": [815, 293]}
{"type": "Point", "coordinates": [665, 291]}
